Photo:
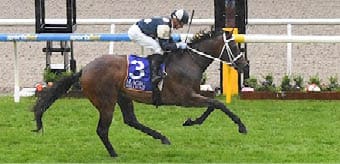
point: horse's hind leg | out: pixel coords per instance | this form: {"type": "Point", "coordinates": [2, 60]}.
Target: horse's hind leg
{"type": "Point", "coordinates": [105, 118]}
{"type": "Point", "coordinates": [130, 119]}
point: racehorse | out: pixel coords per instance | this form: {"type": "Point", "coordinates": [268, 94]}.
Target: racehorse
{"type": "Point", "coordinates": [102, 83]}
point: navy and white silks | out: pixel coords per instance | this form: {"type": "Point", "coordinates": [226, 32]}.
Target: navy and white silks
{"type": "Point", "coordinates": [154, 33]}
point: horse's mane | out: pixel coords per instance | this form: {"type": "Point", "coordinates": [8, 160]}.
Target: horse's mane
{"type": "Point", "coordinates": [203, 35]}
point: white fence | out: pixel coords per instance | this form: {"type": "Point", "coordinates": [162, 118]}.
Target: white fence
{"type": "Point", "coordinates": [289, 38]}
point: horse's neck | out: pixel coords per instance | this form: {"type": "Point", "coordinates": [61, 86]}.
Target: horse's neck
{"type": "Point", "coordinates": [189, 59]}
{"type": "Point", "coordinates": [202, 61]}
{"type": "Point", "coordinates": [208, 47]}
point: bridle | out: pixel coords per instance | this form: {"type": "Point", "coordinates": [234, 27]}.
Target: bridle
{"type": "Point", "coordinates": [226, 47]}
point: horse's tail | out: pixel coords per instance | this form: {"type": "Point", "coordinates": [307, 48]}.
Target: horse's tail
{"type": "Point", "coordinates": [48, 97]}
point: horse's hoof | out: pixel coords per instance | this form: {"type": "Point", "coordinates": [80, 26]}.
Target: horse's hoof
{"type": "Point", "coordinates": [166, 142]}
{"type": "Point", "coordinates": [113, 155]}
{"type": "Point", "coordinates": [188, 122]}
{"type": "Point", "coordinates": [242, 129]}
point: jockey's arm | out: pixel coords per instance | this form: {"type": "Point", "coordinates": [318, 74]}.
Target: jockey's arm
{"type": "Point", "coordinates": [167, 45]}
{"type": "Point", "coordinates": [164, 37]}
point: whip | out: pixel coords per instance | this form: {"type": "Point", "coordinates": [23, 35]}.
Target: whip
{"type": "Point", "coordinates": [192, 15]}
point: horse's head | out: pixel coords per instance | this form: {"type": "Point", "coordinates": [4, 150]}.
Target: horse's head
{"type": "Point", "coordinates": [220, 46]}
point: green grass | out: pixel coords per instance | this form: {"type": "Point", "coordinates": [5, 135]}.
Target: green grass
{"type": "Point", "coordinates": [278, 131]}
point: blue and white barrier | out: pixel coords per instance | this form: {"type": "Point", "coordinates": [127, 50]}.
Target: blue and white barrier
{"type": "Point", "coordinates": [123, 37]}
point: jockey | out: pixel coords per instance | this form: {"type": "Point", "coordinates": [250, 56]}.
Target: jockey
{"type": "Point", "coordinates": [155, 33]}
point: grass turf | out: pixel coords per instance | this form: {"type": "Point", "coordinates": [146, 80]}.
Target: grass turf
{"type": "Point", "coordinates": [278, 131]}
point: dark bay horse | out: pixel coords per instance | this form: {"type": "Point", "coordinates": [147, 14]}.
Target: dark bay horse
{"type": "Point", "coordinates": [102, 82]}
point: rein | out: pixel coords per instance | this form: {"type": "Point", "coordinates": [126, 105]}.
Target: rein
{"type": "Point", "coordinates": [207, 56]}
{"type": "Point", "coordinates": [226, 47]}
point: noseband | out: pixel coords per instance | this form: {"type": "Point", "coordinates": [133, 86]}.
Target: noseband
{"type": "Point", "coordinates": [226, 47]}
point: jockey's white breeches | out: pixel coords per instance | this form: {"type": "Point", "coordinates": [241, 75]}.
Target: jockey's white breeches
{"type": "Point", "coordinates": [136, 35]}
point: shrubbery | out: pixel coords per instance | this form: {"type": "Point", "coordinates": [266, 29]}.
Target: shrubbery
{"type": "Point", "coordinates": [291, 83]}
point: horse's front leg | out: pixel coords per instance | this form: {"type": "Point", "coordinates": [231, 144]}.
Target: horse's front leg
{"type": "Point", "coordinates": [219, 105]}
{"type": "Point", "coordinates": [199, 120]}
{"type": "Point", "coordinates": [199, 100]}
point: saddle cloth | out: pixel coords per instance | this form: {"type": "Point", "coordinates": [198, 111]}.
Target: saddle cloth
{"type": "Point", "coordinates": [139, 73]}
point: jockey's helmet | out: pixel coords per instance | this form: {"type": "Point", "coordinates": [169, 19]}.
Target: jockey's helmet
{"type": "Point", "coordinates": [181, 15]}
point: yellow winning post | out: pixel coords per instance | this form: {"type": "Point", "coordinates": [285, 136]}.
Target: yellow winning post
{"type": "Point", "coordinates": [230, 82]}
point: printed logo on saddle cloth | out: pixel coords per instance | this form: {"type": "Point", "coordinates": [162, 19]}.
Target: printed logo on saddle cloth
{"type": "Point", "coordinates": [139, 75]}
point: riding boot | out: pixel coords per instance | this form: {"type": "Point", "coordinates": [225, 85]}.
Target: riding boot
{"type": "Point", "coordinates": [156, 61]}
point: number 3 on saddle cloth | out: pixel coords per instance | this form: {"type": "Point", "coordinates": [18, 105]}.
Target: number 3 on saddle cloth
{"type": "Point", "coordinates": [139, 73]}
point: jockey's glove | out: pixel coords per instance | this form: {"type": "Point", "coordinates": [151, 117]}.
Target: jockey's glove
{"type": "Point", "coordinates": [181, 45]}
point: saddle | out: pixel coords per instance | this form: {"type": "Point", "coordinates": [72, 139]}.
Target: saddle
{"type": "Point", "coordinates": [139, 76]}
